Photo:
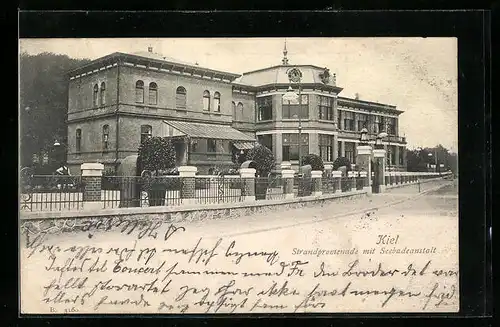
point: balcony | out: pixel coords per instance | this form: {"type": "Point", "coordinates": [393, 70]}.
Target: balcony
{"type": "Point", "coordinates": [210, 156]}
{"type": "Point", "coordinates": [372, 136]}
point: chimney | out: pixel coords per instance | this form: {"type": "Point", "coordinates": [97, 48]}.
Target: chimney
{"type": "Point", "coordinates": [150, 49]}
{"type": "Point", "coordinates": [356, 96]}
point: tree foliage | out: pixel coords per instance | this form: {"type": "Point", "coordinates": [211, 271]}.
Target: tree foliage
{"type": "Point", "coordinates": [340, 162]}
{"type": "Point", "coordinates": [263, 158]}
{"type": "Point", "coordinates": [43, 101]}
{"type": "Point", "coordinates": [420, 159]}
{"type": "Point", "coordinates": [314, 160]}
{"type": "Point", "coordinates": [155, 154]}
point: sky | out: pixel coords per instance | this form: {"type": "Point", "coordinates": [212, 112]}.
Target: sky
{"type": "Point", "coordinates": [418, 75]}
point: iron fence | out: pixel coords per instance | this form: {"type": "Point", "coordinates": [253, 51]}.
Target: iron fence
{"type": "Point", "coordinates": [51, 193]}
{"type": "Point", "coordinates": [269, 188]}
{"type": "Point", "coordinates": [218, 189]}
{"type": "Point", "coordinates": [329, 185]}
{"type": "Point", "coordinates": [360, 182]}
{"type": "Point", "coordinates": [302, 186]}
{"type": "Point", "coordinates": [136, 191]}
{"type": "Point", "coordinates": [346, 183]}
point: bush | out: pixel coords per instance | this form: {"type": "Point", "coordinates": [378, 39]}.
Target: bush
{"type": "Point", "coordinates": [314, 160]}
{"type": "Point", "coordinates": [155, 154]}
{"type": "Point", "coordinates": [340, 162]}
{"type": "Point", "coordinates": [263, 158]}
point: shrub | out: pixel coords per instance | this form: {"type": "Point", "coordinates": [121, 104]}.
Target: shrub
{"type": "Point", "coordinates": [342, 161]}
{"type": "Point", "coordinates": [263, 158]}
{"type": "Point", "coordinates": [314, 160]}
{"type": "Point", "coordinates": [155, 154]}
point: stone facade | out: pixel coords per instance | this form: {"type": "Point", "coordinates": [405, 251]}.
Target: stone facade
{"type": "Point", "coordinates": [105, 116]}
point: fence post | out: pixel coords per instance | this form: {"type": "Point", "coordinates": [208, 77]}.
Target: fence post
{"type": "Point", "coordinates": [287, 176]}
{"type": "Point", "coordinates": [366, 182]}
{"type": "Point", "coordinates": [352, 175]}
{"type": "Point", "coordinates": [316, 181]}
{"type": "Point", "coordinates": [187, 175]}
{"type": "Point", "coordinates": [91, 179]}
{"type": "Point", "coordinates": [248, 180]}
{"type": "Point", "coordinates": [337, 177]}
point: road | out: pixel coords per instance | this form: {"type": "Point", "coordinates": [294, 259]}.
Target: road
{"type": "Point", "coordinates": [408, 218]}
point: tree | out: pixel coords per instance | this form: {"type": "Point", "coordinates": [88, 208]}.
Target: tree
{"type": "Point", "coordinates": [341, 162]}
{"type": "Point", "coordinates": [263, 158]}
{"type": "Point", "coordinates": [156, 154]}
{"type": "Point", "coordinates": [43, 103]}
{"type": "Point", "coordinates": [314, 160]}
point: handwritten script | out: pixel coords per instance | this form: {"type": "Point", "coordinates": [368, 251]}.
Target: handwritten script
{"type": "Point", "coordinates": [163, 268]}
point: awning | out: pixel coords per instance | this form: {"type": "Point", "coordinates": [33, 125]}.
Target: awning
{"type": "Point", "coordinates": [244, 145]}
{"type": "Point", "coordinates": [205, 131]}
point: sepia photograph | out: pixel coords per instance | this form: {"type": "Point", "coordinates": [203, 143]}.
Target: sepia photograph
{"type": "Point", "coordinates": [238, 175]}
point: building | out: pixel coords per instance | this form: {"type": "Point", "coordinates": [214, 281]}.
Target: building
{"type": "Point", "coordinates": [213, 116]}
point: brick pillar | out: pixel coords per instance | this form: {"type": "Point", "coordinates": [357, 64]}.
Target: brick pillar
{"type": "Point", "coordinates": [380, 175]}
{"type": "Point", "coordinates": [248, 179]}
{"type": "Point", "coordinates": [352, 178]}
{"type": "Point", "coordinates": [316, 181]}
{"type": "Point", "coordinates": [188, 179]}
{"type": "Point", "coordinates": [287, 176]}
{"type": "Point", "coordinates": [364, 163]}
{"type": "Point", "coordinates": [91, 178]}
{"type": "Point", "coordinates": [337, 180]}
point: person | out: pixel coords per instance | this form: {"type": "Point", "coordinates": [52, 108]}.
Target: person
{"type": "Point", "coordinates": [63, 171]}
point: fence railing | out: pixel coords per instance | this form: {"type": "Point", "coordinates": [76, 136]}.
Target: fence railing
{"type": "Point", "coordinates": [51, 193]}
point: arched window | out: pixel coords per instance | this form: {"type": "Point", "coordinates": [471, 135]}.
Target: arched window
{"type": "Point", "coordinates": [103, 93]}
{"type": "Point", "coordinates": [206, 100]}
{"type": "Point", "coordinates": [153, 93]}
{"type": "Point", "coordinates": [78, 138]}
{"type": "Point", "coordinates": [139, 92]}
{"type": "Point", "coordinates": [240, 110]}
{"type": "Point", "coordinates": [217, 101]}
{"type": "Point", "coordinates": [180, 98]}
{"type": "Point", "coordinates": [234, 110]}
{"type": "Point", "coordinates": [95, 95]}
{"type": "Point", "coordinates": [146, 132]}
{"type": "Point", "coordinates": [105, 137]}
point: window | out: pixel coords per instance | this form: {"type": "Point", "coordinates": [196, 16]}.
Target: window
{"type": "Point", "coordinates": [291, 146]}
{"type": "Point", "coordinates": [293, 110]}
{"type": "Point", "coordinates": [153, 93]}
{"type": "Point", "coordinates": [349, 152]}
{"type": "Point", "coordinates": [378, 124]}
{"type": "Point", "coordinates": [105, 137]}
{"type": "Point", "coordinates": [146, 132]}
{"type": "Point", "coordinates": [362, 121]}
{"type": "Point", "coordinates": [211, 145]}
{"type": "Point", "coordinates": [265, 108]}
{"type": "Point", "coordinates": [266, 140]}
{"type": "Point", "coordinates": [233, 104]}
{"type": "Point", "coordinates": [391, 126]}
{"type": "Point", "coordinates": [240, 110]}
{"type": "Point", "coordinates": [325, 108]}
{"type": "Point", "coordinates": [206, 100]}
{"type": "Point", "coordinates": [180, 98]}
{"type": "Point", "coordinates": [95, 100]}
{"type": "Point", "coordinates": [139, 92]}
{"type": "Point", "coordinates": [217, 101]}
{"type": "Point", "coordinates": [348, 121]}
{"type": "Point", "coordinates": [78, 140]}
{"type": "Point", "coordinates": [326, 147]}
{"type": "Point", "coordinates": [103, 93]}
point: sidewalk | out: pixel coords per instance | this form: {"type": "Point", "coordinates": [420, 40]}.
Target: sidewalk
{"type": "Point", "coordinates": [289, 218]}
